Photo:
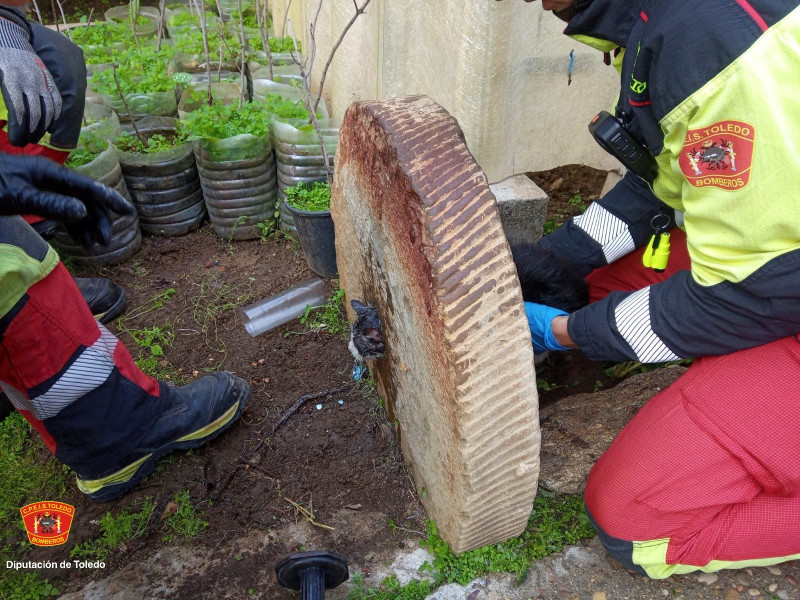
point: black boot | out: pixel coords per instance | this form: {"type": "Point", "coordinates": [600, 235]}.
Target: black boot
{"type": "Point", "coordinates": [192, 415]}
{"type": "Point", "coordinates": [105, 298]}
{"type": "Point", "coordinates": [47, 228]}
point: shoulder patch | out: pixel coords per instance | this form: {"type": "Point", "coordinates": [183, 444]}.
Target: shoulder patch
{"type": "Point", "coordinates": [719, 155]}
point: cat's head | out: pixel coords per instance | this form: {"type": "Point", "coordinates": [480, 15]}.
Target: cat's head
{"type": "Point", "coordinates": [366, 335]}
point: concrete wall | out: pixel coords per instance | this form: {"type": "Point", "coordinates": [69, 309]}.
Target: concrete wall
{"type": "Point", "coordinates": [500, 68]}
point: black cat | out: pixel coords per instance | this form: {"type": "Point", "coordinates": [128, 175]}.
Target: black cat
{"type": "Point", "coordinates": [366, 335]}
{"type": "Point", "coordinates": [547, 278]}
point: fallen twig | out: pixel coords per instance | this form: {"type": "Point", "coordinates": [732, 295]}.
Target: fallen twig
{"type": "Point", "coordinates": [291, 410]}
{"type": "Point", "coordinates": [244, 461]}
{"type": "Point", "coordinates": [307, 514]}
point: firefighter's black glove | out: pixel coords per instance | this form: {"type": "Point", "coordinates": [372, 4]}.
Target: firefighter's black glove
{"type": "Point", "coordinates": [37, 185]}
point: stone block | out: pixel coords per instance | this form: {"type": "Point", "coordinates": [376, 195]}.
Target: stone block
{"type": "Point", "coordinates": [522, 206]}
{"type": "Point", "coordinates": [418, 236]}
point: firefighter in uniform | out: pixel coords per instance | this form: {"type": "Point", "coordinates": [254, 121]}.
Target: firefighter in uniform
{"type": "Point", "coordinates": [707, 475]}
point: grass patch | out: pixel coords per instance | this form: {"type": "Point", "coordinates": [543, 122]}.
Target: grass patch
{"type": "Point", "coordinates": [26, 476]}
{"type": "Point", "coordinates": [17, 585]}
{"type": "Point", "coordinates": [30, 474]}
{"type": "Point", "coordinates": [329, 317]}
{"type": "Point", "coordinates": [184, 523]}
{"type": "Point", "coordinates": [556, 521]}
{"type": "Point", "coordinates": [115, 531]}
{"type": "Point", "coordinates": [151, 342]}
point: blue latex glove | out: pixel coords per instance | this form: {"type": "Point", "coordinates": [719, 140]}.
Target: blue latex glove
{"type": "Point", "coordinates": [539, 319]}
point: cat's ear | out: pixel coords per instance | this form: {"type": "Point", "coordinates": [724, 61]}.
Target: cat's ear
{"type": "Point", "coordinates": [359, 307]}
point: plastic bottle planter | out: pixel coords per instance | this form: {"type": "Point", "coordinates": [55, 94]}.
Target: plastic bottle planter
{"type": "Point", "coordinates": [196, 96]}
{"type": "Point", "coordinates": [226, 71]}
{"type": "Point", "coordinates": [145, 104]}
{"type": "Point", "coordinates": [126, 239]}
{"type": "Point", "coordinates": [239, 184]}
{"type": "Point", "coordinates": [120, 15]}
{"type": "Point", "coordinates": [102, 122]}
{"type": "Point", "coordinates": [299, 157]}
{"type": "Point", "coordinates": [164, 185]}
{"type": "Point", "coordinates": [315, 232]}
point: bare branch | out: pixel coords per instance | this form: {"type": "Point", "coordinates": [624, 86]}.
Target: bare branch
{"type": "Point", "coordinates": [63, 17]}
{"type": "Point", "coordinates": [160, 33]}
{"type": "Point", "coordinates": [38, 14]}
{"type": "Point", "coordinates": [55, 15]}
{"type": "Point", "coordinates": [204, 26]}
{"type": "Point", "coordinates": [133, 13]}
{"type": "Point", "coordinates": [307, 100]}
{"type": "Point", "coordinates": [127, 108]}
{"type": "Point", "coordinates": [285, 19]}
{"type": "Point", "coordinates": [262, 31]}
{"type": "Point", "coordinates": [359, 12]}
{"type": "Point", "coordinates": [244, 79]}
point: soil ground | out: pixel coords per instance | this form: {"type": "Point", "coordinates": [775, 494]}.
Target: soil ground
{"type": "Point", "coordinates": [337, 453]}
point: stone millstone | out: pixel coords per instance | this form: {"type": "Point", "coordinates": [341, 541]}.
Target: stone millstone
{"type": "Point", "coordinates": [418, 236]}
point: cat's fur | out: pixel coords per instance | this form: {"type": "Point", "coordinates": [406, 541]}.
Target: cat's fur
{"type": "Point", "coordinates": [547, 278]}
{"type": "Point", "coordinates": [366, 335]}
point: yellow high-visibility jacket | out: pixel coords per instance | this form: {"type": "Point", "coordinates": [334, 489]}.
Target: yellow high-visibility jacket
{"type": "Point", "coordinates": [712, 88]}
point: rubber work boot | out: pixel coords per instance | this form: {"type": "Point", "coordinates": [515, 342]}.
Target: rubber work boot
{"type": "Point", "coordinates": [105, 298]}
{"type": "Point", "coordinates": [193, 414]}
{"type": "Point", "coordinates": [47, 228]}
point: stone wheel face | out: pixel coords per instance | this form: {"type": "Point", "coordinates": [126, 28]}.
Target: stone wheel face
{"type": "Point", "coordinates": [289, 570]}
{"type": "Point", "coordinates": [418, 236]}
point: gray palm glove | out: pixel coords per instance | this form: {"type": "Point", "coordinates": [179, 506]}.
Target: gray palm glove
{"type": "Point", "coordinates": [30, 95]}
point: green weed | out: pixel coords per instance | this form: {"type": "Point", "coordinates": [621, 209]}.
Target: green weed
{"type": "Point", "coordinates": [184, 523]}
{"type": "Point", "coordinates": [213, 300]}
{"type": "Point", "coordinates": [115, 531]}
{"type": "Point", "coordinates": [16, 585]}
{"type": "Point", "coordinates": [151, 342]}
{"type": "Point", "coordinates": [552, 224]}
{"type": "Point", "coordinates": [577, 202]}
{"type": "Point", "coordinates": [315, 197]}
{"type": "Point", "coordinates": [328, 317]}
{"type": "Point", "coordinates": [390, 589]}
{"type": "Point", "coordinates": [27, 475]}
{"type": "Point", "coordinates": [555, 522]}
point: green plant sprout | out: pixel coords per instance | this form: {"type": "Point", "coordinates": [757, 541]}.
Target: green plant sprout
{"type": "Point", "coordinates": [115, 531]}
{"type": "Point", "coordinates": [139, 71]}
{"type": "Point", "coordinates": [277, 45]}
{"type": "Point", "coordinates": [328, 317]}
{"type": "Point", "coordinates": [155, 143]}
{"type": "Point", "coordinates": [315, 197]}
{"type": "Point", "coordinates": [184, 523]}
{"type": "Point", "coordinates": [220, 121]}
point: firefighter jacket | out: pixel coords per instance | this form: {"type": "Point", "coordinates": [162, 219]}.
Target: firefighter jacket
{"type": "Point", "coordinates": [712, 89]}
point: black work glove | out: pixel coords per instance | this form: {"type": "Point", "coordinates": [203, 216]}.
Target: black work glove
{"type": "Point", "coordinates": [29, 92]}
{"type": "Point", "coordinates": [37, 185]}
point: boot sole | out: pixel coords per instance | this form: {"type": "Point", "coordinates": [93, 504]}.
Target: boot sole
{"type": "Point", "coordinates": [122, 481]}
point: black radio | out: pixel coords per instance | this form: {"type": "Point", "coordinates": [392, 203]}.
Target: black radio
{"type": "Point", "coordinates": [611, 134]}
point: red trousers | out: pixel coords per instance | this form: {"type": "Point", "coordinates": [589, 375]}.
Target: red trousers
{"type": "Point", "coordinates": [707, 475]}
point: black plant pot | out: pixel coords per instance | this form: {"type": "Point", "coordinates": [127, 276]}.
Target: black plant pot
{"type": "Point", "coordinates": [315, 231]}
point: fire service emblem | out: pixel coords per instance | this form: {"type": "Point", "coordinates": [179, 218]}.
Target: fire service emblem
{"type": "Point", "coordinates": [719, 155]}
{"type": "Point", "coordinates": [47, 523]}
